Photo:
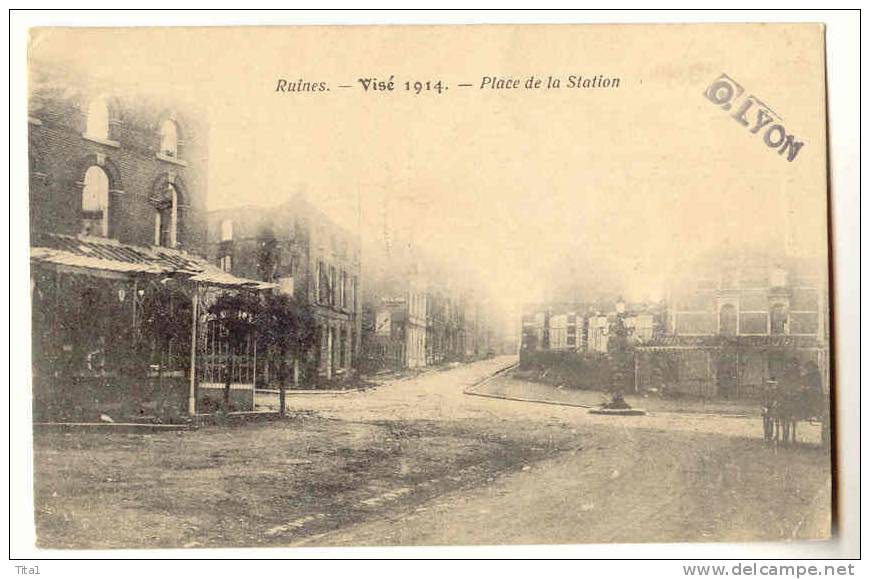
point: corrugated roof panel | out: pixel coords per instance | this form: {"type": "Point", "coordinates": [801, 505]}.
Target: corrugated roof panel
{"type": "Point", "coordinates": [110, 255]}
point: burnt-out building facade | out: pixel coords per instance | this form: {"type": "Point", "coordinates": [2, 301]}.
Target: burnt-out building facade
{"type": "Point", "coordinates": [587, 327]}
{"type": "Point", "coordinates": [310, 258]}
{"type": "Point", "coordinates": [444, 325]}
{"type": "Point", "coordinates": [417, 314]}
{"type": "Point", "coordinates": [396, 307]}
{"type": "Point", "coordinates": [113, 165]}
{"type": "Point", "coordinates": [118, 187]}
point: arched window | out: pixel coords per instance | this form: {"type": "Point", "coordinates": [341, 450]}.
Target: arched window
{"type": "Point", "coordinates": [95, 202]}
{"type": "Point", "coordinates": [98, 119]}
{"type": "Point", "coordinates": [169, 138]}
{"type": "Point", "coordinates": [227, 230]}
{"type": "Point", "coordinates": [728, 320]}
{"type": "Point", "coordinates": [166, 219]}
{"type": "Point", "coordinates": [778, 319]}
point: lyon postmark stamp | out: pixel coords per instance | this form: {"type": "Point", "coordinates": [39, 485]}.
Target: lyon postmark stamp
{"type": "Point", "coordinates": [752, 113]}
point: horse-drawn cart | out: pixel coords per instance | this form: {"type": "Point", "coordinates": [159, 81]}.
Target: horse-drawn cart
{"type": "Point", "coordinates": [796, 397]}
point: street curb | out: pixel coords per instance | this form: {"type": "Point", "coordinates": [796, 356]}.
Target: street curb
{"type": "Point", "coordinates": [110, 426]}
{"type": "Point", "coordinates": [517, 399]}
{"type": "Point", "coordinates": [198, 421]}
{"type": "Point", "coordinates": [382, 381]}
{"type": "Point", "coordinates": [469, 391]}
{"type": "Point", "coordinates": [309, 392]}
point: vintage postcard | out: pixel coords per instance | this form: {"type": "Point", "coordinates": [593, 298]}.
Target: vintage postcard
{"type": "Point", "coordinates": [429, 285]}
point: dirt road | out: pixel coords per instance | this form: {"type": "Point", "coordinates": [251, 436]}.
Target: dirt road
{"type": "Point", "coordinates": [440, 395]}
{"type": "Point", "coordinates": [635, 488]}
{"type": "Point", "coordinates": [418, 462]}
{"type": "Point", "coordinates": [663, 477]}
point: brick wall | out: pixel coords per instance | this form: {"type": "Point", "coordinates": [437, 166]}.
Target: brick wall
{"type": "Point", "coordinates": [60, 155]}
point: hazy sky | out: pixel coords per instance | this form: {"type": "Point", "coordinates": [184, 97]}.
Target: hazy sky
{"type": "Point", "coordinates": [509, 183]}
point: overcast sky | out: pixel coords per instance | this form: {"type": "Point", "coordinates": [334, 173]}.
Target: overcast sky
{"type": "Point", "coordinates": [511, 184]}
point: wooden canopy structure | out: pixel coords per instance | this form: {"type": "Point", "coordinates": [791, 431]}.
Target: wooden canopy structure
{"type": "Point", "coordinates": [101, 307]}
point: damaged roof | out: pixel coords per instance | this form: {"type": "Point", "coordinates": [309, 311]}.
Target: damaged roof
{"type": "Point", "coordinates": [101, 254]}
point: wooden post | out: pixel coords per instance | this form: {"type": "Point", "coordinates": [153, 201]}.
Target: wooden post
{"type": "Point", "coordinates": [134, 299]}
{"type": "Point", "coordinates": [636, 370]}
{"type": "Point", "coordinates": [329, 342]}
{"type": "Point", "coordinates": [737, 378]}
{"type": "Point", "coordinates": [191, 398]}
{"type": "Point", "coordinates": [709, 376]}
{"type": "Point", "coordinates": [296, 372]}
{"type": "Point", "coordinates": [282, 382]}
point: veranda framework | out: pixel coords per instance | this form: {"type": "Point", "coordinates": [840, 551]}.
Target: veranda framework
{"type": "Point", "coordinates": [113, 326]}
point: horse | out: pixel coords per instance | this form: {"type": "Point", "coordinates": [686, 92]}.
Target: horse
{"type": "Point", "coordinates": [785, 408]}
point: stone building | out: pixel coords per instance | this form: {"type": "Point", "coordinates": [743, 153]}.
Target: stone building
{"type": "Point", "coordinates": [417, 314]}
{"type": "Point", "coordinates": [396, 307]}
{"type": "Point", "coordinates": [118, 187]}
{"type": "Point", "coordinates": [735, 320]}
{"type": "Point", "coordinates": [475, 327]}
{"type": "Point", "coordinates": [443, 325]}
{"type": "Point", "coordinates": [312, 259]}
{"type": "Point", "coordinates": [586, 327]}
{"type": "Point", "coordinates": [564, 326]}
{"type": "Point", "coordinates": [415, 322]}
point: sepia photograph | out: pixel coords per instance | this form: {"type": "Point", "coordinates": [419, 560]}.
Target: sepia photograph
{"type": "Point", "coordinates": [429, 285]}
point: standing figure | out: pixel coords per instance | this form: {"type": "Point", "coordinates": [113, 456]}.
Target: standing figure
{"type": "Point", "coordinates": [768, 408]}
{"type": "Point", "coordinates": [791, 401]}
